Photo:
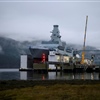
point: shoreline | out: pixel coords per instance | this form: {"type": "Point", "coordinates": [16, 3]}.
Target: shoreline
{"type": "Point", "coordinates": [11, 84]}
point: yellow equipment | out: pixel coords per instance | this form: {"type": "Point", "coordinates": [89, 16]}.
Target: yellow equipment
{"type": "Point", "coordinates": [83, 52]}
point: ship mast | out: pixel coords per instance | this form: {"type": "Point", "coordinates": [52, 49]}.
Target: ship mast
{"type": "Point", "coordinates": [55, 37]}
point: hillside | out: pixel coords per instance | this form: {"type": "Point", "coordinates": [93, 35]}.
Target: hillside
{"type": "Point", "coordinates": [10, 51]}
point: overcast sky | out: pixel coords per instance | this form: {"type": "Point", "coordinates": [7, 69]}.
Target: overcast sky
{"type": "Point", "coordinates": [35, 20]}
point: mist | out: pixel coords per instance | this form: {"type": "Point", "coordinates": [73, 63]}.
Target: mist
{"type": "Point", "coordinates": [34, 20]}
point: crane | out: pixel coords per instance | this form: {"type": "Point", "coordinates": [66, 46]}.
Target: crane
{"type": "Point", "coordinates": [83, 52]}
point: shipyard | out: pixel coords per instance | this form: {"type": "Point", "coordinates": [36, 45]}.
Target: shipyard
{"type": "Point", "coordinates": [49, 50]}
{"type": "Point", "coordinates": [54, 55]}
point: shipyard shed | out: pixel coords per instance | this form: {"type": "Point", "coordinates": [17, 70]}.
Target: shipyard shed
{"type": "Point", "coordinates": [26, 62]}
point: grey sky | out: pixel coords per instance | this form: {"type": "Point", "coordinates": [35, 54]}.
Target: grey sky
{"type": "Point", "coordinates": [35, 20]}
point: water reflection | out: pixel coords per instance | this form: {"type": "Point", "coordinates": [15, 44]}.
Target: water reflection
{"type": "Point", "coordinates": [30, 75]}
{"type": "Point", "coordinates": [56, 76]}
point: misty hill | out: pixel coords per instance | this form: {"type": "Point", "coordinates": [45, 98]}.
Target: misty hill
{"type": "Point", "coordinates": [10, 51]}
{"type": "Point", "coordinates": [80, 47]}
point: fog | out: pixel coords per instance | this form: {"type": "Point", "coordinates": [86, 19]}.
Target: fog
{"type": "Point", "coordinates": [34, 20]}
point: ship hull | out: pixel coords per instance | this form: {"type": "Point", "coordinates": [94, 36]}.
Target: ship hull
{"type": "Point", "coordinates": [37, 54]}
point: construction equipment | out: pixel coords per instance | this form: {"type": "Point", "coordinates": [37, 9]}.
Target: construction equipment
{"type": "Point", "coordinates": [83, 52]}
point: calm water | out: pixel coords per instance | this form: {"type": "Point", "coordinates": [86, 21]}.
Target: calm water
{"type": "Point", "coordinates": [15, 74]}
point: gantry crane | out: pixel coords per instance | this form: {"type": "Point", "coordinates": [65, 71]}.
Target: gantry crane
{"type": "Point", "coordinates": [83, 52]}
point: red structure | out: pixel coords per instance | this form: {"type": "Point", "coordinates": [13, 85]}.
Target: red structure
{"type": "Point", "coordinates": [43, 57]}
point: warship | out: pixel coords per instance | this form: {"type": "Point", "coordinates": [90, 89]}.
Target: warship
{"type": "Point", "coordinates": [54, 44]}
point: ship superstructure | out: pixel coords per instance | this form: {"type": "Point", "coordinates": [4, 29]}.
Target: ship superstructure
{"type": "Point", "coordinates": [55, 37]}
